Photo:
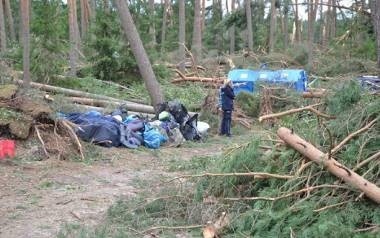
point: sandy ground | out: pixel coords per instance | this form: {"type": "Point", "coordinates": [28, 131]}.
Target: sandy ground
{"type": "Point", "coordinates": [38, 197]}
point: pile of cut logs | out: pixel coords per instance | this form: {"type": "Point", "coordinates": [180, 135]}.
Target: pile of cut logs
{"type": "Point", "coordinates": [94, 101]}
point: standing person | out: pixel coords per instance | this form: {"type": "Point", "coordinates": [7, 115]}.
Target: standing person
{"type": "Point", "coordinates": [227, 101]}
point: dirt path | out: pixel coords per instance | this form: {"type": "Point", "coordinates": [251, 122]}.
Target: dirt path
{"type": "Point", "coordinates": [38, 197]}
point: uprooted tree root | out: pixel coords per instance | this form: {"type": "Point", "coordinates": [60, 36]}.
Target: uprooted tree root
{"type": "Point", "coordinates": [59, 140]}
{"type": "Point", "coordinates": [24, 117]}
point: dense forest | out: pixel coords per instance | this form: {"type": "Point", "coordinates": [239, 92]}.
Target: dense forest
{"type": "Point", "coordinates": [101, 102]}
{"type": "Point", "coordinates": [93, 38]}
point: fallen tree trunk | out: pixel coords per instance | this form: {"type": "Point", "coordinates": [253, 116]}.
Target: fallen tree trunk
{"type": "Point", "coordinates": [199, 79]}
{"type": "Point", "coordinates": [103, 110]}
{"type": "Point", "coordinates": [314, 94]}
{"type": "Point", "coordinates": [331, 165]}
{"type": "Point", "coordinates": [292, 111]}
{"type": "Point", "coordinates": [72, 92]}
{"type": "Point", "coordinates": [104, 103]}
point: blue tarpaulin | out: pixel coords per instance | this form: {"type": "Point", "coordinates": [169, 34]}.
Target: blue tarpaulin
{"type": "Point", "coordinates": [247, 80]}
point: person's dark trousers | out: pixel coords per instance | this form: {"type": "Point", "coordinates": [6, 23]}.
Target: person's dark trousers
{"type": "Point", "coordinates": [226, 122]}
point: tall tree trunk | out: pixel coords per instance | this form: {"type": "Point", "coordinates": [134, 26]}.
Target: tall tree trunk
{"type": "Point", "coordinates": [152, 25]}
{"type": "Point", "coordinates": [203, 16]}
{"type": "Point", "coordinates": [298, 24]}
{"type": "Point", "coordinates": [197, 35]}
{"type": "Point", "coordinates": [286, 24]}
{"type": "Point", "coordinates": [216, 18]}
{"type": "Point", "coordinates": [93, 10]}
{"type": "Point", "coordinates": [164, 21]}
{"type": "Point", "coordinates": [321, 24]}
{"type": "Point", "coordinates": [238, 4]}
{"type": "Point", "coordinates": [73, 32]}
{"type": "Point", "coordinates": [312, 11]}
{"type": "Point", "coordinates": [139, 52]}
{"type": "Point", "coordinates": [375, 11]}
{"type": "Point", "coordinates": [3, 36]}
{"type": "Point", "coordinates": [327, 23]}
{"type": "Point", "coordinates": [85, 16]}
{"type": "Point", "coordinates": [182, 34]}
{"type": "Point", "coordinates": [106, 6]}
{"type": "Point", "coordinates": [8, 13]}
{"type": "Point", "coordinates": [333, 20]}
{"type": "Point", "coordinates": [272, 29]}
{"type": "Point", "coordinates": [248, 14]}
{"type": "Point", "coordinates": [232, 31]}
{"type": "Point", "coordinates": [26, 41]}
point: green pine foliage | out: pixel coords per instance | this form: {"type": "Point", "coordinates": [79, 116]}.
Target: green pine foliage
{"type": "Point", "coordinates": [112, 60]}
{"type": "Point", "coordinates": [302, 214]}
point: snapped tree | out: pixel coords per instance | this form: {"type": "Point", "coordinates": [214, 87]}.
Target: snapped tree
{"type": "Point", "coordinates": [139, 52]}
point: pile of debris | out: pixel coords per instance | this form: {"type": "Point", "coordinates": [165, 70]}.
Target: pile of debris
{"type": "Point", "coordinates": [172, 124]}
{"type": "Point", "coordinates": [22, 116]}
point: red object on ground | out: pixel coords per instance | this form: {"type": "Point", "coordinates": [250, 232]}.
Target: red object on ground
{"type": "Point", "coordinates": [7, 149]}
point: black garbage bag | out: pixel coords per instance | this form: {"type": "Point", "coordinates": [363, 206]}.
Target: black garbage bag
{"type": "Point", "coordinates": [177, 109]}
{"type": "Point", "coordinates": [189, 129]}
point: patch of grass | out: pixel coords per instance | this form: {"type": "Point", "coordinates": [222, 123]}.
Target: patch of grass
{"type": "Point", "coordinates": [8, 114]}
{"type": "Point", "coordinates": [249, 103]}
{"type": "Point", "coordinates": [197, 163]}
{"type": "Point", "coordinates": [47, 184]}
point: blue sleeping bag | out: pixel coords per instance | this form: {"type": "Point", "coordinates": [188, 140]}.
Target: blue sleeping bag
{"type": "Point", "coordinates": [152, 137]}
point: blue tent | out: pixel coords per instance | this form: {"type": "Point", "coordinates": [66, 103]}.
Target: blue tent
{"type": "Point", "coordinates": [291, 78]}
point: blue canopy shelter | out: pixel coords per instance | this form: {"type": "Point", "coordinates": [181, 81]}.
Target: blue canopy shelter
{"type": "Point", "coordinates": [291, 78]}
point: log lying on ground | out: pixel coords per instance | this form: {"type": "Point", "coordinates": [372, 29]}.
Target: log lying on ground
{"type": "Point", "coordinates": [105, 103]}
{"type": "Point", "coordinates": [316, 93]}
{"type": "Point", "coordinates": [199, 79]}
{"type": "Point", "coordinates": [292, 111]}
{"type": "Point", "coordinates": [94, 104]}
{"type": "Point", "coordinates": [103, 110]}
{"type": "Point", "coordinates": [333, 166]}
{"type": "Point", "coordinates": [74, 93]}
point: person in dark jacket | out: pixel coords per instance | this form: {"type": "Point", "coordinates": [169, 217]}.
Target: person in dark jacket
{"type": "Point", "coordinates": [227, 101]}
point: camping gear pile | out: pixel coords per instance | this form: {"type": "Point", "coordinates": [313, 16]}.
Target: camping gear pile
{"type": "Point", "coordinates": [172, 125]}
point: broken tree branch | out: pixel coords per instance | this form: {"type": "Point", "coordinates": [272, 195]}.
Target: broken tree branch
{"type": "Point", "coordinates": [331, 165]}
{"type": "Point", "coordinates": [313, 94]}
{"type": "Point", "coordinates": [42, 142]}
{"type": "Point", "coordinates": [308, 189]}
{"type": "Point", "coordinates": [199, 79]}
{"type": "Point", "coordinates": [292, 111]}
{"type": "Point", "coordinates": [366, 161]}
{"type": "Point", "coordinates": [172, 228]}
{"type": "Point", "coordinates": [74, 136]}
{"type": "Point", "coordinates": [352, 135]}
{"type": "Point", "coordinates": [258, 175]}
{"type": "Point", "coordinates": [74, 93]}
{"type": "Point", "coordinates": [104, 103]}
{"type": "Point", "coordinates": [330, 206]}
{"type": "Point", "coordinates": [180, 73]}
